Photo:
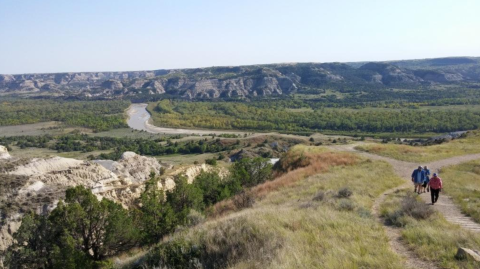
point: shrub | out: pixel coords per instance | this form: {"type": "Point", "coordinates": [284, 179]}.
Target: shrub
{"type": "Point", "coordinates": [228, 243]}
{"type": "Point", "coordinates": [396, 218]}
{"type": "Point", "coordinates": [410, 207]}
{"type": "Point", "coordinates": [174, 254]}
{"type": "Point", "coordinates": [162, 171]}
{"type": "Point", "coordinates": [251, 172]}
{"type": "Point", "coordinates": [319, 196]}
{"type": "Point", "coordinates": [244, 199]}
{"type": "Point", "coordinates": [364, 212]}
{"type": "Point", "coordinates": [194, 218]}
{"type": "Point", "coordinates": [211, 161]}
{"type": "Point", "coordinates": [211, 185]}
{"type": "Point", "coordinates": [346, 205]}
{"type": "Point", "coordinates": [416, 209]}
{"type": "Point", "coordinates": [345, 192]}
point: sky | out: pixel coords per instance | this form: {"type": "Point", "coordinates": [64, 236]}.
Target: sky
{"type": "Point", "coordinates": [47, 36]}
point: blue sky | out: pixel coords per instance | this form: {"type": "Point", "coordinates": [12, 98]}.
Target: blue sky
{"type": "Point", "coordinates": [69, 36]}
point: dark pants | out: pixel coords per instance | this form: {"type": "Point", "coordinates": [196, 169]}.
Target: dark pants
{"type": "Point", "coordinates": [434, 193]}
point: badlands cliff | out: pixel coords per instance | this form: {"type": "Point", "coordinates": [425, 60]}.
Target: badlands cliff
{"type": "Point", "coordinates": [38, 184]}
{"type": "Point", "coordinates": [244, 81]}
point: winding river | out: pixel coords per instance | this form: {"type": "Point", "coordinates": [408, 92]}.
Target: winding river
{"type": "Point", "coordinates": [139, 119]}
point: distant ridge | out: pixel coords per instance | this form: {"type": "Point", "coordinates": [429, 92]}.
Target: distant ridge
{"type": "Point", "coordinates": [245, 81]}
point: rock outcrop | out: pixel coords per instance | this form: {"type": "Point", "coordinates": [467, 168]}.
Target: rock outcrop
{"type": "Point", "coordinates": [4, 153]}
{"type": "Point", "coordinates": [389, 74]}
{"type": "Point", "coordinates": [468, 254]}
{"type": "Point", "coordinates": [38, 184]}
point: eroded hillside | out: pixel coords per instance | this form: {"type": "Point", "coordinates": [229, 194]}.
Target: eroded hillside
{"type": "Point", "coordinates": [243, 81]}
{"type": "Point", "coordinates": [37, 184]}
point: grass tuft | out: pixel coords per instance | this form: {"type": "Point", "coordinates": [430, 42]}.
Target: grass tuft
{"type": "Point", "coordinates": [411, 206]}
{"type": "Point", "coordinates": [345, 192]}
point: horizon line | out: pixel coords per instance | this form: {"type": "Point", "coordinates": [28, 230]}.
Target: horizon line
{"type": "Point", "coordinates": [243, 65]}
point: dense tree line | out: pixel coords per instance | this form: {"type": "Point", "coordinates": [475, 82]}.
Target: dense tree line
{"type": "Point", "coordinates": [266, 116]}
{"type": "Point", "coordinates": [82, 231]}
{"type": "Point", "coordinates": [97, 115]}
{"type": "Point", "coordinates": [142, 146]}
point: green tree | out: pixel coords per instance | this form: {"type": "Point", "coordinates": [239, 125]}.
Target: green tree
{"type": "Point", "coordinates": [101, 228]}
{"type": "Point", "coordinates": [183, 198]}
{"type": "Point", "coordinates": [32, 244]}
{"type": "Point", "coordinates": [39, 243]}
{"type": "Point", "coordinates": [78, 234]}
{"type": "Point", "coordinates": [210, 184]}
{"type": "Point", "coordinates": [251, 172]}
{"type": "Point", "coordinates": [157, 216]}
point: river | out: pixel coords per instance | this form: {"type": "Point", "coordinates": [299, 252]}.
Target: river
{"type": "Point", "coordinates": [139, 119]}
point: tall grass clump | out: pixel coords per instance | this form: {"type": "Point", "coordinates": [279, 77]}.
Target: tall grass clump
{"type": "Point", "coordinates": [427, 233]}
{"type": "Point", "coordinates": [412, 207]}
{"type": "Point", "coordinates": [221, 245]}
{"type": "Point", "coordinates": [345, 192]}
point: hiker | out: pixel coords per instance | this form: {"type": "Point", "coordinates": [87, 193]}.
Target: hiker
{"type": "Point", "coordinates": [436, 186]}
{"type": "Point", "coordinates": [418, 177]}
{"type": "Point", "coordinates": [427, 179]}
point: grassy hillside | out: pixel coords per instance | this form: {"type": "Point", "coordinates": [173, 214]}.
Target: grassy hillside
{"type": "Point", "coordinates": [457, 147]}
{"type": "Point", "coordinates": [311, 216]}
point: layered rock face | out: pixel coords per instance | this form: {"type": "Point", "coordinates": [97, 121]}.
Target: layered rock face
{"type": "Point", "coordinates": [38, 184]}
{"type": "Point", "coordinates": [390, 74]}
{"type": "Point", "coordinates": [187, 84]}
{"type": "Point", "coordinates": [242, 81]}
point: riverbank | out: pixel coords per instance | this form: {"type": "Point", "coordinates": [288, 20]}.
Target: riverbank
{"type": "Point", "coordinates": [140, 119]}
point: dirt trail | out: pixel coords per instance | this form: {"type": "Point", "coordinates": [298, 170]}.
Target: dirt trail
{"type": "Point", "coordinates": [444, 205]}
{"type": "Point", "coordinates": [412, 261]}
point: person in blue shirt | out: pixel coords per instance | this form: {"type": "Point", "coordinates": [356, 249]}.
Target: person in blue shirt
{"type": "Point", "coordinates": [418, 177]}
{"type": "Point", "coordinates": [425, 185]}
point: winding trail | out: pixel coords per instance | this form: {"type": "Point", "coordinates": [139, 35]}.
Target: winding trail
{"type": "Point", "coordinates": [444, 205]}
{"type": "Point", "coordinates": [412, 261]}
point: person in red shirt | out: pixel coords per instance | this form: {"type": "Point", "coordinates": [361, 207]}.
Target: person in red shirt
{"type": "Point", "coordinates": [436, 186]}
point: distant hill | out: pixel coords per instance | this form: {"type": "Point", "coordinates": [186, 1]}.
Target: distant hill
{"type": "Point", "coordinates": [245, 81]}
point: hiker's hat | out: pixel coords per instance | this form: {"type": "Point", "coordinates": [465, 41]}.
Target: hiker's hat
{"type": "Point", "coordinates": [434, 174]}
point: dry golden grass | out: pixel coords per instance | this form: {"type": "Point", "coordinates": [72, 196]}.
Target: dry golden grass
{"type": "Point", "coordinates": [457, 147]}
{"type": "Point", "coordinates": [312, 164]}
{"type": "Point", "coordinates": [287, 228]}
{"type": "Point", "coordinates": [299, 163]}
